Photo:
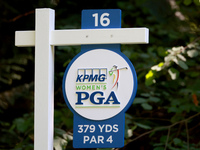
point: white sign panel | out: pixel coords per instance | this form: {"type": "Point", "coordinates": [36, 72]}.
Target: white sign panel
{"type": "Point", "coordinates": [99, 84]}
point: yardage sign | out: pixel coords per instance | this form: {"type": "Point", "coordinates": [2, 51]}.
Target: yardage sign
{"type": "Point", "coordinates": [99, 85]}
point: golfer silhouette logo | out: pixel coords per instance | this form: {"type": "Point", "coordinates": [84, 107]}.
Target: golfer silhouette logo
{"type": "Point", "coordinates": [115, 72]}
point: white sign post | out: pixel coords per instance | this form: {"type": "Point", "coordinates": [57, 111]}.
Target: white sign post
{"type": "Point", "coordinates": [44, 38]}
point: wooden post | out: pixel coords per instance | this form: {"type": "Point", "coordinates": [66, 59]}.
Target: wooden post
{"type": "Point", "coordinates": [44, 80]}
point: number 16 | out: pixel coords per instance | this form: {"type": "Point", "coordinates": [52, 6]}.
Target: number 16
{"type": "Point", "coordinates": [104, 20]}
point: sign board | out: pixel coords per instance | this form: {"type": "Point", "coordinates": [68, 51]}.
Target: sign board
{"type": "Point", "coordinates": [44, 38]}
{"type": "Point", "coordinates": [99, 85]}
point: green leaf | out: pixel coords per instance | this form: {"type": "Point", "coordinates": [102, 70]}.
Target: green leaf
{"type": "Point", "coordinates": [177, 117]}
{"type": "Point", "coordinates": [173, 73]}
{"type": "Point", "coordinates": [187, 2]}
{"type": "Point", "coordinates": [195, 86]}
{"type": "Point", "coordinates": [194, 74]}
{"type": "Point", "coordinates": [152, 134]}
{"type": "Point", "coordinates": [182, 64]}
{"type": "Point", "coordinates": [197, 2]}
{"type": "Point", "coordinates": [22, 124]}
{"type": "Point", "coordinates": [161, 52]}
{"type": "Point", "coordinates": [66, 63]}
{"type": "Point", "coordinates": [160, 64]}
{"type": "Point", "coordinates": [17, 68]}
{"type": "Point", "coordinates": [145, 94]}
{"type": "Point", "coordinates": [150, 78]}
{"type": "Point", "coordinates": [144, 55]}
{"type": "Point", "coordinates": [173, 109]}
{"type": "Point", "coordinates": [175, 103]}
{"type": "Point", "coordinates": [154, 99]}
{"type": "Point", "coordinates": [177, 141]}
{"type": "Point", "coordinates": [139, 100]}
{"type": "Point", "coordinates": [142, 125]}
{"type": "Point", "coordinates": [134, 127]}
{"type": "Point", "coordinates": [185, 107]}
{"type": "Point", "coordinates": [146, 106]}
{"type": "Point", "coordinates": [127, 53]}
{"type": "Point", "coordinates": [163, 138]}
{"type": "Point", "coordinates": [62, 133]}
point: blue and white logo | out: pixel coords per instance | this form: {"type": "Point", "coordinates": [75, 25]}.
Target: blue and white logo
{"type": "Point", "coordinates": [94, 79]}
{"type": "Point", "coordinates": [99, 84]}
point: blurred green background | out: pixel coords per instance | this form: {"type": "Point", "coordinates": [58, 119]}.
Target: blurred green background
{"type": "Point", "coordinates": [165, 114]}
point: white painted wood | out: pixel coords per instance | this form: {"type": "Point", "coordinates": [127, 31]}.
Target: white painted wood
{"type": "Point", "coordinates": [44, 80]}
{"type": "Point", "coordinates": [100, 36]}
{"type": "Point", "coordinates": [88, 36]}
{"type": "Point", "coordinates": [24, 38]}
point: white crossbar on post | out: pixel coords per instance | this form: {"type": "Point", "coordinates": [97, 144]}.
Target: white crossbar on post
{"type": "Point", "coordinates": [88, 36]}
{"type": "Point", "coordinates": [100, 36]}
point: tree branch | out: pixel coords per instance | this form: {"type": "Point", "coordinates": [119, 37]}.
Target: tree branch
{"type": "Point", "coordinates": [163, 127]}
{"type": "Point", "coordinates": [167, 138]}
{"type": "Point", "coordinates": [187, 132]}
{"type": "Point", "coordinates": [22, 15]}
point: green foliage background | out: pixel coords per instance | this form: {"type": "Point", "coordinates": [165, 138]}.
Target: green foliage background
{"type": "Point", "coordinates": [165, 113]}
